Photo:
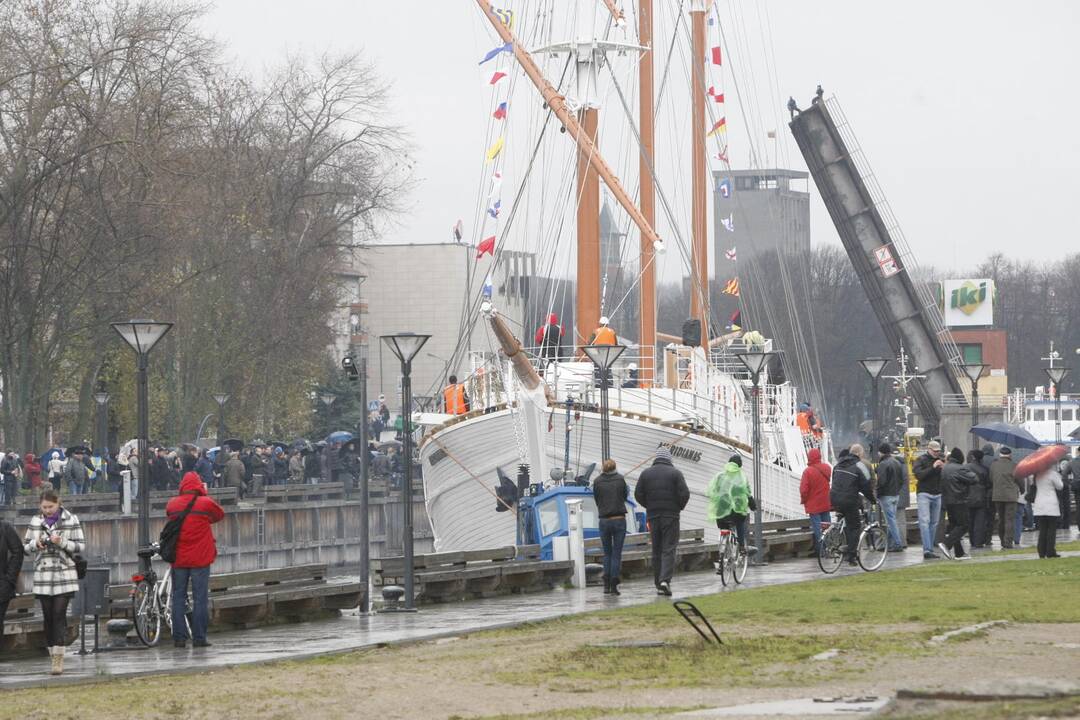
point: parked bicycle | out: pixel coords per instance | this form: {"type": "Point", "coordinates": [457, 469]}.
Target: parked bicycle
{"type": "Point", "coordinates": [871, 549]}
{"type": "Point", "coordinates": [733, 558]}
{"type": "Point", "coordinates": [151, 600]}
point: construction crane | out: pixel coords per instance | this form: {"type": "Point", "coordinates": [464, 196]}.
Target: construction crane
{"type": "Point", "coordinates": [903, 304]}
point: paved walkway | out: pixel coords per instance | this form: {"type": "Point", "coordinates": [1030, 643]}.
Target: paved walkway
{"type": "Point", "coordinates": [353, 631]}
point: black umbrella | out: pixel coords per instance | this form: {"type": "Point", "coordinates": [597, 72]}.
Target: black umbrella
{"type": "Point", "coordinates": [233, 444]}
{"type": "Point", "coordinates": [303, 445]}
{"type": "Point", "coordinates": [396, 444]}
{"type": "Point", "coordinates": [351, 447]}
{"type": "Point", "coordinates": [77, 449]}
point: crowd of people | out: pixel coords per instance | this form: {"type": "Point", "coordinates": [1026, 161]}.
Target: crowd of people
{"type": "Point", "coordinates": [976, 492]}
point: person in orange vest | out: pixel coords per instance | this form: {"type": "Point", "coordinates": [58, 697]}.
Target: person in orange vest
{"type": "Point", "coordinates": [604, 335]}
{"type": "Point", "coordinates": [455, 400]}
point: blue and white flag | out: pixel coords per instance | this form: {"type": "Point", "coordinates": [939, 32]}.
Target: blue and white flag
{"type": "Point", "coordinates": [507, 48]}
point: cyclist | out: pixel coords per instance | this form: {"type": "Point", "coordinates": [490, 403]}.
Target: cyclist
{"type": "Point", "coordinates": [730, 501]}
{"type": "Point", "coordinates": [850, 478]}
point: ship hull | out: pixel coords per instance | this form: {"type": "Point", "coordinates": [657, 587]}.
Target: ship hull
{"type": "Point", "coordinates": [459, 463]}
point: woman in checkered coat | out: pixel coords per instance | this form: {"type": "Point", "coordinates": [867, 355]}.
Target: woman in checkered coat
{"type": "Point", "coordinates": [53, 539]}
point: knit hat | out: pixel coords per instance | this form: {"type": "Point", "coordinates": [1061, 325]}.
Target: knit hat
{"type": "Point", "coordinates": [956, 455]}
{"type": "Point", "coordinates": [736, 458]}
{"type": "Point", "coordinates": [885, 449]}
{"type": "Point", "coordinates": [663, 453]}
{"type": "Point", "coordinates": [1006, 451]}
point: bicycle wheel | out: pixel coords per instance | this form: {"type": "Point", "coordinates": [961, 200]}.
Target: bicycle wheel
{"type": "Point", "coordinates": [147, 614]}
{"type": "Point", "coordinates": [829, 554]}
{"type": "Point", "coordinates": [738, 568]}
{"type": "Point", "coordinates": [873, 547]}
{"type": "Point", "coordinates": [724, 563]}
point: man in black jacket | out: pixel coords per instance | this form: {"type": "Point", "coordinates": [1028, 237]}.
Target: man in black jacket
{"type": "Point", "coordinates": [11, 561]}
{"type": "Point", "coordinates": [956, 481]}
{"type": "Point", "coordinates": [610, 493]}
{"type": "Point", "coordinates": [849, 480]}
{"type": "Point", "coordinates": [927, 469]}
{"type": "Point", "coordinates": [978, 500]}
{"type": "Point", "coordinates": [890, 474]}
{"type": "Point", "coordinates": [662, 491]}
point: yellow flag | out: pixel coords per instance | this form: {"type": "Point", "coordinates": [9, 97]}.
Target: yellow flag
{"type": "Point", "coordinates": [494, 150]}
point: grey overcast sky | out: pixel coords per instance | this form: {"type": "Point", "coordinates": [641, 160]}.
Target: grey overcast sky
{"type": "Point", "coordinates": [965, 108]}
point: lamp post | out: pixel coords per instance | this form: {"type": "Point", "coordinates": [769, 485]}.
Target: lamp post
{"type": "Point", "coordinates": [102, 399]}
{"type": "Point", "coordinates": [756, 362]}
{"type": "Point", "coordinates": [1056, 375]}
{"type": "Point", "coordinates": [874, 367]}
{"type": "Point", "coordinates": [221, 399]}
{"type": "Point", "coordinates": [357, 371]}
{"type": "Point", "coordinates": [405, 346]}
{"type": "Point", "coordinates": [141, 336]}
{"type": "Point", "coordinates": [974, 371]}
{"type": "Point", "coordinates": [604, 356]}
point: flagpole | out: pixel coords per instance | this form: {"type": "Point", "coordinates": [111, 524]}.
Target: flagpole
{"type": "Point", "coordinates": [699, 289]}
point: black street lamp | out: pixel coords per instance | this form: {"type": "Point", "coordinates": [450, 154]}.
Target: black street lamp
{"type": "Point", "coordinates": [874, 367]}
{"type": "Point", "coordinates": [604, 356]}
{"type": "Point", "coordinates": [102, 399]}
{"type": "Point", "coordinates": [405, 346]}
{"type": "Point", "coordinates": [756, 362]}
{"type": "Point", "coordinates": [221, 399]}
{"type": "Point", "coordinates": [357, 371]}
{"type": "Point", "coordinates": [1056, 375]}
{"type": "Point", "coordinates": [141, 336]}
{"type": "Point", "coordinates": [974, 371]}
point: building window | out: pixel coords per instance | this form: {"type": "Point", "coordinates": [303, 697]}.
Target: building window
{"type": "Point", "coordinates": [1039, 415]}
{"type": "Point", "coordinates": [1066, 414]}
{"type": "Point", "coordinates": [971, 353]}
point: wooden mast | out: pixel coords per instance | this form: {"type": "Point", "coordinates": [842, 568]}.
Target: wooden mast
{"type": "Point", "coordinates": [699, 283]}
{"type": "Point", "coordinates": [587, 310]}
{"type": "Point", "coordinates": [557, 103]}
{"type": "Point", "coordinates": [646, 113]}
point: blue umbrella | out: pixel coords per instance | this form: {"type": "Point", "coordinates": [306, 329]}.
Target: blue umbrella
{"type": "Point", "coordinates": [1005, 434]}
{"type": "Point", "coordinates": [341, 436]}
{"type": "Point", "coordinates": [48, 455]}
{"type": "Point", "coordinates": [212, 453]}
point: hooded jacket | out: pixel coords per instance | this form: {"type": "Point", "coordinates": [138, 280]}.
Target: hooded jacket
{"type": "Point", "coordinates": [662, 489]}
{"type": "Point", "coordinates": [848, 481]}
{"type": "Point", "coordinates": [814, 486]}
{"type": "Point", "coordinates": [33, 470]}
{"type": "Point", "coordinates": [979, 493]}
{"type": "Point", "coordinates": [196, 547]}
{"type": "Point", "coordinates": [956, 479]}
{"type": "Point", "coordinates": [728, 493]}
{"type": "Point", "coordinates": [610, 493]}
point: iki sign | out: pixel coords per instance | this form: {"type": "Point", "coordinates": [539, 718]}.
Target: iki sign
{"type": "Point", "coordinates": [968, 297]}
{"type": "Point", "coordinates": [968, 302]}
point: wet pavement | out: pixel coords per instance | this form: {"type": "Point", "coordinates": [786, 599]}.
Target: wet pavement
{"type": "Point", "coordinates": [353, 632]}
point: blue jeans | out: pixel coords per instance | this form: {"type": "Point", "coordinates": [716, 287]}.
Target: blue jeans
{"type": "Point", "coordinates": [200, 595]}
{"type": "Point", "coordinates": [815, 525]}
{"type": "Point", "coordinates": [888, 506]}
{"type": "Point", "coordinates": [612, 534]}
{"type": "Point", "coordinates": [929, 515]}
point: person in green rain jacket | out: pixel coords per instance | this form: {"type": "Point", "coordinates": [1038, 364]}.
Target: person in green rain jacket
{"type": "Point", "coordinates": [730, 501]}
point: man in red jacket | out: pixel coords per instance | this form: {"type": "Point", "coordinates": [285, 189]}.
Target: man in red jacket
{"type": "Point", "coordinates": [814, 491]}
{"type": "Point", "coordinates": [195, 553]}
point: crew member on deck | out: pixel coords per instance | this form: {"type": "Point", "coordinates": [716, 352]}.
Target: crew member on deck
{"type": "Point", "coordinates": [455, 401]}
{"type": "Point", "coordinates": [603, 335]}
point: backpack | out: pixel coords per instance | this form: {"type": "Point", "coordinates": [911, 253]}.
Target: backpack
{"type": "Point", "coordinates": [170, 534]}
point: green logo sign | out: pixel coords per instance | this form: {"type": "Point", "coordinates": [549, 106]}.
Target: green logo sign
{"type": "Point", "coordinates": [968, 297]}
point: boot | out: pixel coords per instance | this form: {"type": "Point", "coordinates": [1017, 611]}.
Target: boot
{"type": "Point", "coordinates": [615, 586]}
{"type": "Point", "coordinates": [57, 660]}
{"type": "Point", "coordinates": [607, 585]}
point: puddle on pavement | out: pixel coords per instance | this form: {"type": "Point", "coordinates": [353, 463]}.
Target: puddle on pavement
{"type": "Point", "coordinates": [813, 707]}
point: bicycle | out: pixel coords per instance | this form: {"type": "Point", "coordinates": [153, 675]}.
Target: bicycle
{"type": "Point", "coordinates": [870, 550]}
{"type": "Point", "coordinates": [732, 560]}
{"type": "Point", "coordinates": [152, 601]}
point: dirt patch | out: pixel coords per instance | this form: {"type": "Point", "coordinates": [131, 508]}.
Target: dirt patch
{"type": "Point", "coordinates": [509, 674]}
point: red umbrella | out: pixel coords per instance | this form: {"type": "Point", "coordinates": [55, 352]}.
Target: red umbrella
{"type": "Point", "coordinates": [1042, 459]}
